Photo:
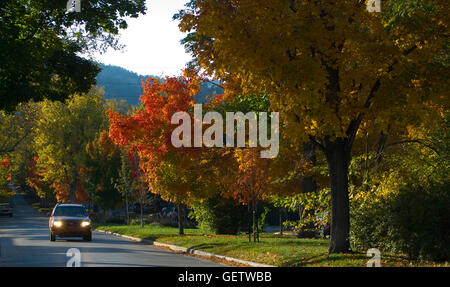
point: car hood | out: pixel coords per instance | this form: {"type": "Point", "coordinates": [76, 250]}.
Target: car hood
{"type": "Point", "coordinates": [70, 218]}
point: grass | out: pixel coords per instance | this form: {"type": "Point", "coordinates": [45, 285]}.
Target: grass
{"type": "Point", "coordinates": [273, 249]}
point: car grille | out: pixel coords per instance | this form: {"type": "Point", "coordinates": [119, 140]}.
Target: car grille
{"type": "Point", "coordinates": [72, 223]}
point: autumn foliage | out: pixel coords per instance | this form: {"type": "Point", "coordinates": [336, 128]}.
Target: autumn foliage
{"type": "Point", "coordinates": [5, 177]}
{"type": "Point", "coordinates": [147, 132]}
{"type": "Point", "coordinates": [331, 68]}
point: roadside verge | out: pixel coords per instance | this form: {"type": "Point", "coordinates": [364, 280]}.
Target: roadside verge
{"type": "Point", "coordinates": [186, 250]}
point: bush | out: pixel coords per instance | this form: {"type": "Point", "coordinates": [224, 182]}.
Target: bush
{"type": "Point", "coordinates": [219, 215]}
{"type": "Point", "coordinates": [415, 221]}
{"type": "Point", "coordinates": [115, 220]}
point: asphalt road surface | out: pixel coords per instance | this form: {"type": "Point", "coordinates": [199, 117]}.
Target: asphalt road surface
{"type": "Point", "coordinates": [24, 242]}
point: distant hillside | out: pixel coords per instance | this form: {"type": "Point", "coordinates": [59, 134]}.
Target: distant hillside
{"type": "Point", "coordinates": [121, 84]}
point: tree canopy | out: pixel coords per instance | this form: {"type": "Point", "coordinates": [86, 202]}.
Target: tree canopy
{"type": "Point", "coordinates": [331, 68]}
{"type": "Point", "coordinates": [40, 44]}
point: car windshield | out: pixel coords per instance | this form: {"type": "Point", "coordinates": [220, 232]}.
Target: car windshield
{"type": "Point", "coordinates": [76, 211]}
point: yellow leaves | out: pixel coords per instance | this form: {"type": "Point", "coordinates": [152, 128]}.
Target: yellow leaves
{"type": "Point", "coordinates": [290, 57]}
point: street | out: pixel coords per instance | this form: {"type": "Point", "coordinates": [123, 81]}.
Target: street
{"type": "Point", "coordinates": [24, 242]}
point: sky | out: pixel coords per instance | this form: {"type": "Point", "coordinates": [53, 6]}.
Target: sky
{"type": "Point", "coordinates": [152, 42]}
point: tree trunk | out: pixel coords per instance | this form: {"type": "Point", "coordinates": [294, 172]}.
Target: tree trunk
{"type": "Point", "coordinates": [308, 184]}
{"type": "Point", "coordinates": [338, 158]}
{"type": "Point", "coordinates": [280, 210]}
{"type": "Point", "coordinates": [142, 211]}
{"type": "Point", "coordinates": [180, 220]}
{"type": "Point", "coordinates": [254, 220]}
{"type": "Point", "coordinates": [249, 224]}
{"type": "Point", "coordinates": [126, 208]}
{"type": "Point", "coordinates": [73, 187]}
{"type": "Point", "coordinates": [257, 222]}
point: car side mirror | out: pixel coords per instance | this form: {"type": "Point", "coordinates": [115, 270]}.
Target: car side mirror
{"type": "Point", "coordinates": [49, 214]}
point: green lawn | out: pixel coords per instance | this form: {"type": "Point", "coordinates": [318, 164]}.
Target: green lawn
{"type": "Point", "coordinates": [273, 249]}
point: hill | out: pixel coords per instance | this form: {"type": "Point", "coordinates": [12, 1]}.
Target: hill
{"type": "Point", "coordinates": [122, 84]}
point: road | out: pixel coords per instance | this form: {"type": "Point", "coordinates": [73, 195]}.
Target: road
{"type": "Point", "coordinates": [24, 242]}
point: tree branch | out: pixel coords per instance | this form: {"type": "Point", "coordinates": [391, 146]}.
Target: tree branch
{"type": "Point", "coordinates": [13, 147]}
{"type": "Point", "coordinates": [317, 143]}
{"type": "Point", "coordinates": [418, 141]}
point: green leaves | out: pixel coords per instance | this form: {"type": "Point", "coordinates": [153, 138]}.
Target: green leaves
{"type": "Point", "coordinates": [62, 133]}
{"type": "Point", "coordinates": [40, 43]}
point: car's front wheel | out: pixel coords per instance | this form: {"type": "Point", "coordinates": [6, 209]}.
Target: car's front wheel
{"type": "Point", "coordinates": [52, 236]}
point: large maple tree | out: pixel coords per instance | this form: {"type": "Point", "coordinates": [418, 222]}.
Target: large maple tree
{"type": "Point", "coordinates": [331, 68]}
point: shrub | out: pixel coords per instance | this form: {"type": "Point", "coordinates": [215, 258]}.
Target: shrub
{"type": "Point", "coordinates": [115, 220]}
{"type": "Point", "coordinates": [414, 221]}
{"type": "Point", "coordinates": [219, 215]}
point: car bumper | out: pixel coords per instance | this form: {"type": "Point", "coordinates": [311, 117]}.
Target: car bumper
{"type": "Point", "coordinates": [66, 232]}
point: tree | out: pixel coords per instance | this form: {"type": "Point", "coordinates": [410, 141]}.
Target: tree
{"type": "Point", "coordinates": [5, 177]}
{"type": "Point", "coordinates": [61, 138]}
{"type": "Point", "coordinates": [244, 176]}
{"type": "Point", "coordinates": [124, 183]}
{"type": "Point", "coordinates": [147, 133]}
{"type": "Point", "coordinates": [330, 67]}
{"type": "Point", "coordinates": [251, 182]}
{"type": "Point", "coordinates": [35, 180]}
{"type": "Point", "coordinates": [40, 43]}
{"type": "Point", "coordinates": [17, 132]}
{"type": "Point", "coordinates": [101, 171]}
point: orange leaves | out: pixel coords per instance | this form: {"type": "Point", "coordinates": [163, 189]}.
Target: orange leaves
{"type": "Point", "coordinates": [5, 167]}
{"type": "Point", "coordinates": [251, 176]}
{"type": "Point", "coordinates": [5, 163]}
{"type": "Point", "coordinates": [103, 147]}
{"type": "Point", "coordinates": [61, 190]}
{"type": "Point", "coordinates": [162, 100]}
{"type": "Point", "coordinates": [148, 130]}
{"type": "Point", "coordinates": [80, 194]}
{"type": "Point", "coordinates": [146, 133]}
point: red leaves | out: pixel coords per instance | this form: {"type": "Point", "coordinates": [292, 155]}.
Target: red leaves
{"type": "Point", "coordinates": [148, 131]}
{"type": "Point", "coordinates": [251, 177]}
{"type": "Point", "coordinates": [5, 163]}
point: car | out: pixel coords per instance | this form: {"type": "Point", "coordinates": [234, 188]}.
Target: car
{"type": "Point", "coordinates": [6, 210]}
{"type": "Point", "coordinates": [70, 220]}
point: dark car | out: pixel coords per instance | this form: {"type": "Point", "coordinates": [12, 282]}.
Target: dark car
{"type": "Point", "coordinates": [70, 220]}
{"type": "Point", "coordinates": [5, 210]}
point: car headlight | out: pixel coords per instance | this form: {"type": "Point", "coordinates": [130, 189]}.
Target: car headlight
{"type": "Point", "coordinates": [57, 223]}
{"type": "Point", "coordinates": [85, 223]}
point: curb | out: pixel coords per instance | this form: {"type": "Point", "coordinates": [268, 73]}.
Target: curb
{"type": "Point", "coordinates": [185, 249]}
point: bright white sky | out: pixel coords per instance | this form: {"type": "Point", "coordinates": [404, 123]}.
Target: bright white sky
{"type": "Point", "coordinates": [152, 42]}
